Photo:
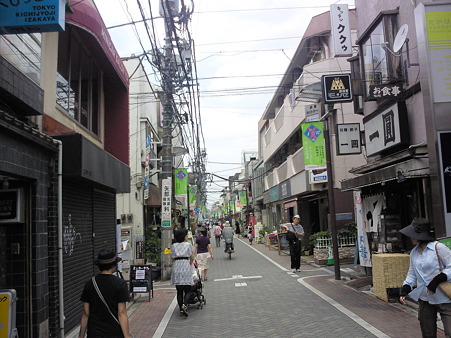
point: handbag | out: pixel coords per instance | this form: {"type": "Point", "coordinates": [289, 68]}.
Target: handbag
{"type": "Point", "coordinates": [444, 286]}
{"type": "Point", "coordinates": [104, 302]}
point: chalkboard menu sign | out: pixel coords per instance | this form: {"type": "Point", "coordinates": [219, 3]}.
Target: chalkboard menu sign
{"type": "Point", "coordinates": [283, 242]}
{"type": "Point", "coordinates": [141, 279]}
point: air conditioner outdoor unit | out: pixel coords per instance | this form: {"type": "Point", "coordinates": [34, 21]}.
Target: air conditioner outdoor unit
{"type": "Point", "coordinates": [129, 217]}
{"type": "Point", "coordinates": [123, 217]}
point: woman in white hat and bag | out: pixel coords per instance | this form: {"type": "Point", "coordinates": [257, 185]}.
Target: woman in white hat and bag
{"type": "Point", "coordinates": [430, 265]}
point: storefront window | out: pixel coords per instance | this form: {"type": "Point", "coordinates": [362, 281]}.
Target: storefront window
{"type": "Point", "coordinates": [379, 65]}
{"type": "Point", "coordinates": [24, 52]}
{"type": "Point", "coordinates": [77, 90]}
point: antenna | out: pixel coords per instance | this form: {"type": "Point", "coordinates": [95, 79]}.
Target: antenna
{"type": "Point", "coordinates": [400, 38]}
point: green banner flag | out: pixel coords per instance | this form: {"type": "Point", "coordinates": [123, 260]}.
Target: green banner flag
{"type": "Point", "coordinates": [232, 205]}
{"type": "Point", "coordinates": [180, 182]}
{"type": "Point", "coordinates": [313, 145]}
{"type": "Point", "coordinates": [243, 197]}
{"type": "Point", "coordinates": [192, 194]}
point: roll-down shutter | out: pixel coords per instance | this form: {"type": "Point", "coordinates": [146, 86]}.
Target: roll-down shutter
{"type": "Point", "coordinates": [104, 220]}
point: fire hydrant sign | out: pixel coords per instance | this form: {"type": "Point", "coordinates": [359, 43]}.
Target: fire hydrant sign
{"type": "Point", "coordinates": [31, 16]}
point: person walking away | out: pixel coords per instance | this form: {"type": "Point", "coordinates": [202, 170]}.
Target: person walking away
{"type": "Point", "coordinates": [106, 318]}
{"type": "Point", "coordinates": [250, 234]}
{"type": "Point", "coordinates": [237, 229]}
{"type": "Point", "coordinates": [182, 252]}
{"type": "Point", "coordinates": [430, 265]}
{"type": "Point", "coordinates": [203, 252]}
{"type": "Point", "coordinates": [218, 232]}
{"type": "Point", "coordinates": [227, 234]}
{"type": "Point", "coordinates": [295, 245]}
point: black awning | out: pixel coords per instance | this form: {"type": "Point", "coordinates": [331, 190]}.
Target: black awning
{"type": "Point", "coordinates": [83, 159]}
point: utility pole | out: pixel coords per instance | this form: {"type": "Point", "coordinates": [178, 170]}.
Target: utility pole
{"type": "Point", "coordinates": [330, 193]}
{"type": "Point", "coordinates": [167, 78]}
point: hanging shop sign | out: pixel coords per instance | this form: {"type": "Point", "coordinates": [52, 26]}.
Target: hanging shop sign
{"type": "Point", "coordinates": [166, 195]}
{"type": "Point", "coordinates": [312, 112]}
{"type": "Point", "coordinates": [274, 194]}
{"type": "Point", "coordinates": [341, 30]}
{"type": "Point", "coordinates": [243, 197]}
{"type": "Point", "coordinates": [32, 16]}
{"type": "Point", "coordinates": [314, 145]}
{"type": "Point", "coordinates": [384, 91]}
{"type": "Point", "coordinates": [386, 129]}
{"type": "Point", "coordinates": [348, 139]}
{"type": "Point", "coordinates": [318, 176]}
{"type": "Point", "coordinates": [192, 195]}
{"type": "Point", "coordinates": [336, 88]}
{"type": "Point", "coordinates": [284, 189]}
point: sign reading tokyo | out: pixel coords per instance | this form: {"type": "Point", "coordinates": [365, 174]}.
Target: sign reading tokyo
{"type": "Point", "coordinates": [31, 16]}
{"type": "Point", "coordinates": [336, 88]}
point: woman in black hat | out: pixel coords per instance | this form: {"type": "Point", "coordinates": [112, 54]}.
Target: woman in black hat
{"type": "Point", "coordinates": [426, 272]}
{"type": "Point", "coordinates": [108, 317]}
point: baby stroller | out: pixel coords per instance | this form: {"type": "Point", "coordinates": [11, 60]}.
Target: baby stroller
{"type": "Point", "coordinates": [196, 295]}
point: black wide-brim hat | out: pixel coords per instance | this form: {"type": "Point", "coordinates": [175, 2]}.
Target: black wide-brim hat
{"type": "Point", "coordinates": [419, 229]}
{"type": "Point", "coordinates": [107, 257]}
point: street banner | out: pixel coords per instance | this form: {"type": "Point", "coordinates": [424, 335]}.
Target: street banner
{"type": "Point", "coordinates": [243, 197]}
{"type": "Point", "coordinates": [180, 182]}
{"type": "Point", "coordinates": [192, 194]}
{"type": "Point", "coordinates": [166, 189]}
{"type": "Point", "coordinates": [314, 145]}
{"type": "Point", "coordinates": [363, 245]}
{"type": "Point", "coordinates": [232, 205]}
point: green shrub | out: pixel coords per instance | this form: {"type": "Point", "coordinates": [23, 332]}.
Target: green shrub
{"type": "Point", "coordinates": [152, 245]}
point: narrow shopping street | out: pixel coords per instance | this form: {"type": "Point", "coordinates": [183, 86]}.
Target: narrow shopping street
{"type": "Point", "coordinates": [256, 295]}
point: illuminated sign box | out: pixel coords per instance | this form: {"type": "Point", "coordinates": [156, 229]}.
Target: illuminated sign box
{"type": "Point", "coordinates": [31, 16]}
{"type": "Point", "coordinates": [11, 206]}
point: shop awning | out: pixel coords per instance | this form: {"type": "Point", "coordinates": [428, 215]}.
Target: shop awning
{"type": "Point", "coordinates": [413, 168]}
{"type": "Point", "coordinates": [84, 14]}
{"type": "Point", "coordinates": [154, 198]}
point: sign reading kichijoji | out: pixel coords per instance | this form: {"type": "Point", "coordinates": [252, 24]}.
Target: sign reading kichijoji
{"type": "Point", "coordinates": [32, 16]}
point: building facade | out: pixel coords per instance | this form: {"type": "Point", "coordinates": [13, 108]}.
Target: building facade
{"type": "Point", "coordinates": [64, 114]}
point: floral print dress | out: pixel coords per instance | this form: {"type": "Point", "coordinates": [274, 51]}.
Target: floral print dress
{"type": "Point", "coordinates": [181, 270]}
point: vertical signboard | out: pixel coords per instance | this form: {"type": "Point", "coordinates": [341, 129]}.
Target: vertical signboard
{"type": "Point", "coordinates": [180, 182]}
{"type": "Point", "coordinates": [341, 30]}
{"type": "Point", "coordinates": [166, 192]}
{"type": "Point", "coordinates": [314, 145]}
{"type": "Point", "coordinates": [243, 197]}
{"type": "Point", "coordinates": [348, 139]}
{"type": "Point", "coordinates": [192, 195]}
{"type": "Point", "coordinates": [147, 168]}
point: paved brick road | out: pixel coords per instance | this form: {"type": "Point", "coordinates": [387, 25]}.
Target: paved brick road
{"type": "Point", "coordinates": [273, 302]}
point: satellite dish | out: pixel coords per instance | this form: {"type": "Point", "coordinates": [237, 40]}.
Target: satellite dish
{"type": "Point", "coordinates": [400, 38]}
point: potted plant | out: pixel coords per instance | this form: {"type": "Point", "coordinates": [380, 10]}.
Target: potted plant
{"type": "Point", "coordinates": [152, 249]}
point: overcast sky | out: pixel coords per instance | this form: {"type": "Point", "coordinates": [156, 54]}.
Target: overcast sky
{"type": "Point", "coordinates": [243, 45]}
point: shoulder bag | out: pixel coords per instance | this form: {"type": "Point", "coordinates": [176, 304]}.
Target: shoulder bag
{"type": "Point", "coordinates": [445, 286]}
{"type": "Point", "coordinates": [291, 236]}
{"type": "Point", "coordinates": [104, 302]}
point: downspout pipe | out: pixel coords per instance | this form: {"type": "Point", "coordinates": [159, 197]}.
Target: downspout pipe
{"type": "Point", "coordinates": [60, 239]}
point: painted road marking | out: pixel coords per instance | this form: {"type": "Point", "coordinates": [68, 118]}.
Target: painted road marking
{"type": "Point", "coordinates": [235, 277]}
{"type": "Point", "coordinates": [240, 284]}
{"type": "Point", "coordinates": [344, 310]}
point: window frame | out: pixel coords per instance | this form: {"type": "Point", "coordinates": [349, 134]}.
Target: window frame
{"type": "Point", "coordinates": [389, 22]}
{"type": "Point", "coordinates": [93, 103]}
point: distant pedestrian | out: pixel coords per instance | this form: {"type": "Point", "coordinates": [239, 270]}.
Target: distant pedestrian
{"type": "Point", "coordinates": [203, 252]}
{"type": "Point", "coordinates": [182, 277]}
{"type": "Point", "coordinates": [295, 244]}
{"type": "Point", "coordinates": [430, 265]}
{"type": "Point", "coordinates": [104, 300]}
{"type": "Point", "coordinates": [250, 234]}
{"type": "Point", "coordinates": [218, 233]}
{"type": "Point", "coordinates": [237, 229]}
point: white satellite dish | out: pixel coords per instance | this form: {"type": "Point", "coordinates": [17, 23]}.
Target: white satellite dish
{"type": "Point", "coordinates": [400, 38]}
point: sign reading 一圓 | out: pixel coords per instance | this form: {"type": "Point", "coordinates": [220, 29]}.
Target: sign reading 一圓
{"type": "Point", "coordinates": [384, 91]}
{"type": "Point", "coordinates": [348, 139]}
{"type": "Point", "coordinates": [166, 192]}
{"type": "Point", "coordinates": [32, 16]}
{"type": "Point", "coordinates": [336, 88]}
{"type": "Point", "coordinates": [386, 128]}
{"type": "Point", "coordinates": [314, 146]}
{"type": "Point", "coordinates": [341, 30]}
